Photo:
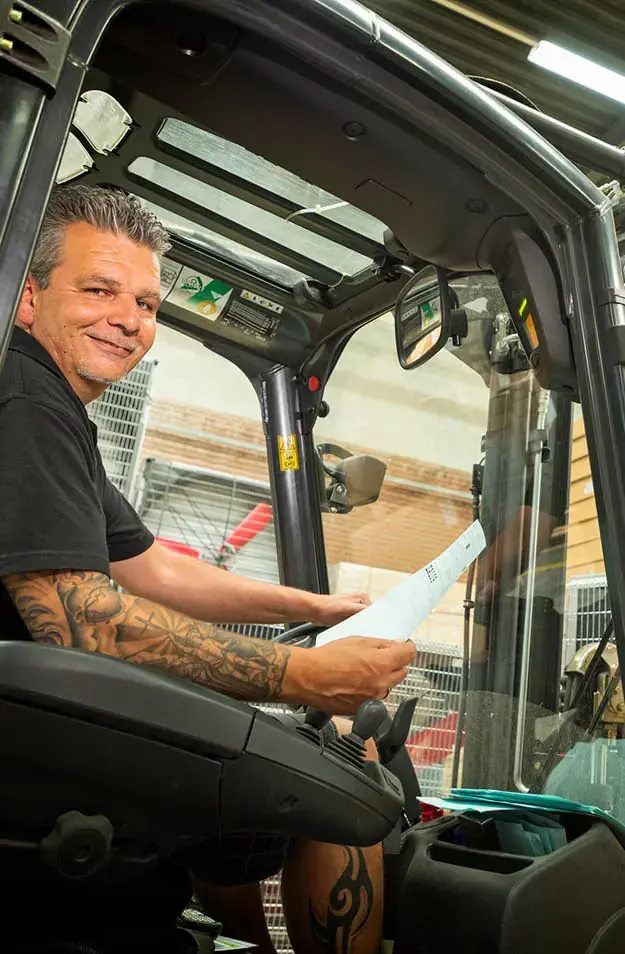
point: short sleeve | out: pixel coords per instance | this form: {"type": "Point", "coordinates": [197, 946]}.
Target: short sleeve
{"type": "Point", "coordinates": [127, 536]}
{"type": "Point", "coordinates": [51, 516]}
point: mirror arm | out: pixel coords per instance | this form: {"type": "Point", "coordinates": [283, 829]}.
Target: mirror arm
{"type": "Point", "coordinates": [458, 325]}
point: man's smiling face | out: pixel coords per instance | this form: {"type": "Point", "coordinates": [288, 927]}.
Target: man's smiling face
{"type": "Point", "coordinates": [97, 316]}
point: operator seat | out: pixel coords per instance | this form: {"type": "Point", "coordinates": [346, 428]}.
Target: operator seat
{"type": "Point", "coordinates": [112, 776]}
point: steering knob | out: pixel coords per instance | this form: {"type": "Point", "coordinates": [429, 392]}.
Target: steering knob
{"type": "Point", "coordinates": [368, 719]}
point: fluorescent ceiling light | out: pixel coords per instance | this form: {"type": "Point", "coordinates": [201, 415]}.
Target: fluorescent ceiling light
{"type": "Point", "coordinates": [578, 69]}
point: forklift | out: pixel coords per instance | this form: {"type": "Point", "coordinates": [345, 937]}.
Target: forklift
{"type": "Point", "coordinates": [317, 168]}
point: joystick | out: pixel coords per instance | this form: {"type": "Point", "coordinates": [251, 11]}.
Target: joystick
{"type": "Point", "coordinates": [316, 718]}
{"type": "Point", "coordinates": [314, 722]}
{"type": "Point", "coordinates": [367, 721]}
{"type": "Point", "coordinates": [391, 741]}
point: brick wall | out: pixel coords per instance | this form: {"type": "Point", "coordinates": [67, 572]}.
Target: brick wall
{"type": "Point", "coordinates": [407, 527]}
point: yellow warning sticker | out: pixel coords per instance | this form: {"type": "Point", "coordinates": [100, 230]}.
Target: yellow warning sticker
{"type": "Point", "coordinates": [531, 330]}
{"type": "Point", "coordinates": [287, 452]}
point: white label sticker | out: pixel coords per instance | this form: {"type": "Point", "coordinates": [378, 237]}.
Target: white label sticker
{"type": "Point", "coordinates": [169, 273]}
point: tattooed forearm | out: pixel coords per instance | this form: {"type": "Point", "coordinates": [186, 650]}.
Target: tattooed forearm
{"type": "Point", "coordinates": [81, 609]}
{"type": "Point", "coordinates": [349, 906]}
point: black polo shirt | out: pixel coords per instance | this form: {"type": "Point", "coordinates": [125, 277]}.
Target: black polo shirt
{"type": "Point", "coordinates": [58, 509]}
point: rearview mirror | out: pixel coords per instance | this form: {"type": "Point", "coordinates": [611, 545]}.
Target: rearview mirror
{"type": "Point", "coordinates": [425, 318]}
{"type": "Point", "coordinates": [355, 479]}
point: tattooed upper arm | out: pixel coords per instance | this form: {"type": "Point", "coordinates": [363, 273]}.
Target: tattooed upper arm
{"type": "Point", "coordinates": [55, 605]}
{"type": "Point", "coordinates": [81, 609]}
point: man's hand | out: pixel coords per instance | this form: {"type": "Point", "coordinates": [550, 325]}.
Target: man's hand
{"type": "Point", "coordinates": [339, 677]}
{"type": "Point", "coordinates": [330, 610]}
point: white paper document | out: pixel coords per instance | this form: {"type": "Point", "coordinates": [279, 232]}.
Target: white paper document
{"type": "Point", "coordinates": [398, 614]}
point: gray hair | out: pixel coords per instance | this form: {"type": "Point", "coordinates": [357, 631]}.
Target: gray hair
{"type": "Point", "coordinates": [109, 209]}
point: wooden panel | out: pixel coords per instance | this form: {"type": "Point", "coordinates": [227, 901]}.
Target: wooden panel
{"type": "Point", "coordinates": [583, 554]}
{"type": "Point", "coordinates": [581, 490]}
{"type": "Point", "coordinates": [584, 550]}
{"type": "Point", "coordinates": [580, 469]}
{"type": "Point", "coordinates": [583, 532]}
{"type": "Point", "coordinates": [584, 509]}
{"type": "Point", "coordinates": [579, 449]}
{"type": "Point", "coordinates": [586, 569]}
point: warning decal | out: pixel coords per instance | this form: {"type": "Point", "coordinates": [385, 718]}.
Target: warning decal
{"type": "Point", "coordinates": [262, 301]}
{"type": "Point", "coordinates": [287, 452]}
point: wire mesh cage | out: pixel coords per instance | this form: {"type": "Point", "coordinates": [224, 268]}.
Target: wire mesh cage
{"type": "Point", "coordinates": [587, 613]}
{"type": "Point", "coordinates": [216, 517]}
{"type": "Point", "coordinates": [120, 415]}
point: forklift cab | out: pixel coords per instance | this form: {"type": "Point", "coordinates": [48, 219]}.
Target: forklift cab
{"type": "Point", "coordinates": [319, 169]}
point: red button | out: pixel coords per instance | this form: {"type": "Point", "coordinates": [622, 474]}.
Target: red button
{"type": "Point", "coordinates": [313, 383]}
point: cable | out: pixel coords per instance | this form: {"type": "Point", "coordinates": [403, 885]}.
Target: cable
{"type": "Point", "coordinates": [476, 491]}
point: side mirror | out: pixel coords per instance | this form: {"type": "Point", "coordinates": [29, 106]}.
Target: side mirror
{"type": "Point", "coordinates": [355, 479]}
{"type": "Point", "coordinates": [426, 316]}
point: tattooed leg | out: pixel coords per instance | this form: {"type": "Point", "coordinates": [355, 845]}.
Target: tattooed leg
{"type": "Point", "coordinates": [333, 897]}
{"type": "Point", "coordinates": [349, 907]}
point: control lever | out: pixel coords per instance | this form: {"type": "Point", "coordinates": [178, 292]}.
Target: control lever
{"type": "Point", "coordinates": [367, 721]}
{"type": "Point", "coordinates": [316, 718]}
{"type": "Point", "coordinates": [314, 722]}
{"type": "Point", "coordinates": [370, 716]}
{"type": "Point", "coordinates": [393, 754]}
{"type": "Point", "coordinates": [390, 742]}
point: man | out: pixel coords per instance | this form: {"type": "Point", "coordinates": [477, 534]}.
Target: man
{"type": "Point", "coordinates": [86, 318]}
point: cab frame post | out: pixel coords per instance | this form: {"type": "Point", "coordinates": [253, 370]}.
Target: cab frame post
{"type": "Point", "coordinates": [294, 481]}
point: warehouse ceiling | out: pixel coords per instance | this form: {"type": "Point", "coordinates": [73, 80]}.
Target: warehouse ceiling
{"type": "Point", "coordinates": [593, 28]}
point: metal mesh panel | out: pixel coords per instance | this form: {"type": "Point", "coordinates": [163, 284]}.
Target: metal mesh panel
{"type": "Point", "coordinates": [255, 630]}
{"type": "Point", "coordinates": [121, 417]}
{"type": "Point", "coordinates": [435, 680]}
{"type": "Point", "coordinates": [200, 509]}
{"type": "Point", "coordinates": [587, 613]}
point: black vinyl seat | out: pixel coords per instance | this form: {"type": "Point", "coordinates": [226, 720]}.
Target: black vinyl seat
{"type": "Point", "coordinates": [112, 775]}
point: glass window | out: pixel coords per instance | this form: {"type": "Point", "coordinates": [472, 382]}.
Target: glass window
{"type": "Point", "coordinates": [203, 484]}
{"type": "Point", "coordinates": [472, 431]}
{"type": "Point", "coordinates": [427, 425]}
{"type": "Point", "coordinates": [249, 217]}
{"type": "Point", "coordinates": [237, 161]}
{"type": "Point", "coordinates": [223, 247]}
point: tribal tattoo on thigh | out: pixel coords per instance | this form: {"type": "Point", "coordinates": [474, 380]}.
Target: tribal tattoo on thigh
{"type": "Point", "coordinates": [349, 906]}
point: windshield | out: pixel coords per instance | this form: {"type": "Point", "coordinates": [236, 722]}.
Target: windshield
{"type": "Point", "coordinates": [502, 657]}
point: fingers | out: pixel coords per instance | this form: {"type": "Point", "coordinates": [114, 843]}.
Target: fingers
{"type": "Point", "coordinates": [374, 642]}
{"type": "Point", "coordinates": [402, 654]}
{"type": "Point", "coordinates": [397, 676]}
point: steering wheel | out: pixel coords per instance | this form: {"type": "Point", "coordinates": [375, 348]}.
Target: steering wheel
{"type": "Point", "coordinates": [304, 635]}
